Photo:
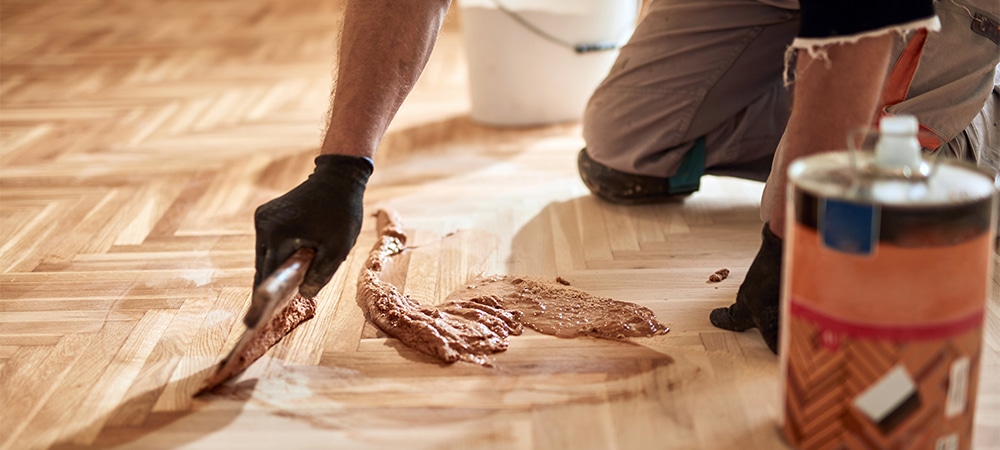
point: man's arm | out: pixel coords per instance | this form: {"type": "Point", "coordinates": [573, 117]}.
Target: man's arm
{"type": "Point", "coordinates": [384, 47]}
{"type": "Point", "coordinates": [832, 96]}
{"type": "Point", "coordinates": [843, 59]}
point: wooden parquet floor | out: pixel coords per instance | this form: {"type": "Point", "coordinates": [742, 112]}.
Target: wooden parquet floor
{"type": "Point", "coordinates": [138, 136]}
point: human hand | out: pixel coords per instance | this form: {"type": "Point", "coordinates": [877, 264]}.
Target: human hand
{"type": "Point", "coordinates": [323, 213]}
{"type": "Point", "coordinates": [757, 301]}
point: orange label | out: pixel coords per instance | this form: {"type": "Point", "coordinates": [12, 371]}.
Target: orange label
{"type": "Point", "coordinates": [881, 350]}
{"type": "Point", "coordinates": [910, 286]}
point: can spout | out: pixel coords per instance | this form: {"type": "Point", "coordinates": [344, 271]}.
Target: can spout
{"type": "Point", "coordinates": [898, 148]}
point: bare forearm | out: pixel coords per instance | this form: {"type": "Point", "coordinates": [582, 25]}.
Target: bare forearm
{"type": "Point", "coordinates": [384, 47]}
{"type": "Point", "coordinates": [831, 97]}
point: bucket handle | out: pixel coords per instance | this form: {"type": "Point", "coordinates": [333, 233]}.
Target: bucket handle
{"type": "Point", "coordinates": [578, 48]}
{"type": "Point", "coordinates": [924, 173]}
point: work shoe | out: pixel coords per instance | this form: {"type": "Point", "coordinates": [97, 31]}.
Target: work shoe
{"type": "Point", "coordinates": [625, 188]}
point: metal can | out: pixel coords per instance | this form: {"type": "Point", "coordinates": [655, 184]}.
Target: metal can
{"type": "Point", "coordinates": [886, 278]}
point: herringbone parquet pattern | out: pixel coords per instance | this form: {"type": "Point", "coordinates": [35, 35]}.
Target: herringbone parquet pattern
{"type": "Point", "coordinates": [824, 383]}
{"type": "Point", "coordinates": [138, 136]}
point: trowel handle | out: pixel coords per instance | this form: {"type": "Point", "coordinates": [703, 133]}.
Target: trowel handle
{"type": "Point", "coordinates": [280, 285]}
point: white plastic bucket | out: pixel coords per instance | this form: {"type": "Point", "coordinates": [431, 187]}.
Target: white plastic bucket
{"type": "Point", "coordinates": [519, 75]}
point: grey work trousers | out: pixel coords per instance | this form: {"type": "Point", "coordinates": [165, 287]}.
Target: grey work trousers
{"type": "Point", "coordinates": [714, 69]}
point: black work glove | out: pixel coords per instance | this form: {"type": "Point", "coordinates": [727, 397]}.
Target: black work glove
{"type": "Point", "coordinates": [757, 302]}
{"type": "Point", "coordinates": [323, 213]}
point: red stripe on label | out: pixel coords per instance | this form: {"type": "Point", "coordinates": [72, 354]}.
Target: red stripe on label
{"type": "Point", "coordinates": [841, 327]}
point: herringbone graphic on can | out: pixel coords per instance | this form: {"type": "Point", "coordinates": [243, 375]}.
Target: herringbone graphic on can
{"type": "Point", "coordinates": [816, 394]}
{"type": "Point", "coordinates": [822, 403]}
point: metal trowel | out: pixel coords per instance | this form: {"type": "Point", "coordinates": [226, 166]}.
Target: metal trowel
{"type": "Point", "coordinates": [270, 300]}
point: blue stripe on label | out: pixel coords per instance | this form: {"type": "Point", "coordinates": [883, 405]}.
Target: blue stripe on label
{"type": "Point", "coordinates": [848, 227]}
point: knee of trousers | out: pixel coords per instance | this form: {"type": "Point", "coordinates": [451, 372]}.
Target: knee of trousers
{"type": "Point", "coordinates": [619, 133]}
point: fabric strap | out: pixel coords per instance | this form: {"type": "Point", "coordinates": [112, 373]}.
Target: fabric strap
{"type": "Point", "coordinates": [897, 85]}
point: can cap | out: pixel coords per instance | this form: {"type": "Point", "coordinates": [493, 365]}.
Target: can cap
{"type": "Point", "coordinates": [898, 147]}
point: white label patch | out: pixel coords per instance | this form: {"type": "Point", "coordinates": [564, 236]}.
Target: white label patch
{"type": "Point", "coordinates": [958, 388]}
{"type": "Point", "coordinates": [885, 395]}
{"type": "Point", "coordinates": [949, 442]}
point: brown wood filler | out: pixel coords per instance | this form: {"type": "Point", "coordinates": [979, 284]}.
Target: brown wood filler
{"type": "Point", "coordinates": [298, 310]}
{"type": "Point", "coordinates": [552, 308]}
{"type": "Point", "coordinates": [477, 320]}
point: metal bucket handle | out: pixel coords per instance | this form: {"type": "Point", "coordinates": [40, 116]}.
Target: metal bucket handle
{"type": "Point", "coordinates": [924, 173]}
{"type": "Point", "coordinates": [578, 48]}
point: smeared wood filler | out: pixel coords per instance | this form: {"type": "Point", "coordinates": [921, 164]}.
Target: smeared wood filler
{"type": "Point", "coordinates": [465, 331]}
{"type": "Point", "coordinates": [550, 307]}
{"type": "Point", "coordinates": [478, 320]}
{"type": "Point", "coordinates": [297, 311]}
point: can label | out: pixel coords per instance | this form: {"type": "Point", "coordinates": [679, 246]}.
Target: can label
{"type": "Point", "coordinates": [883, 313]}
